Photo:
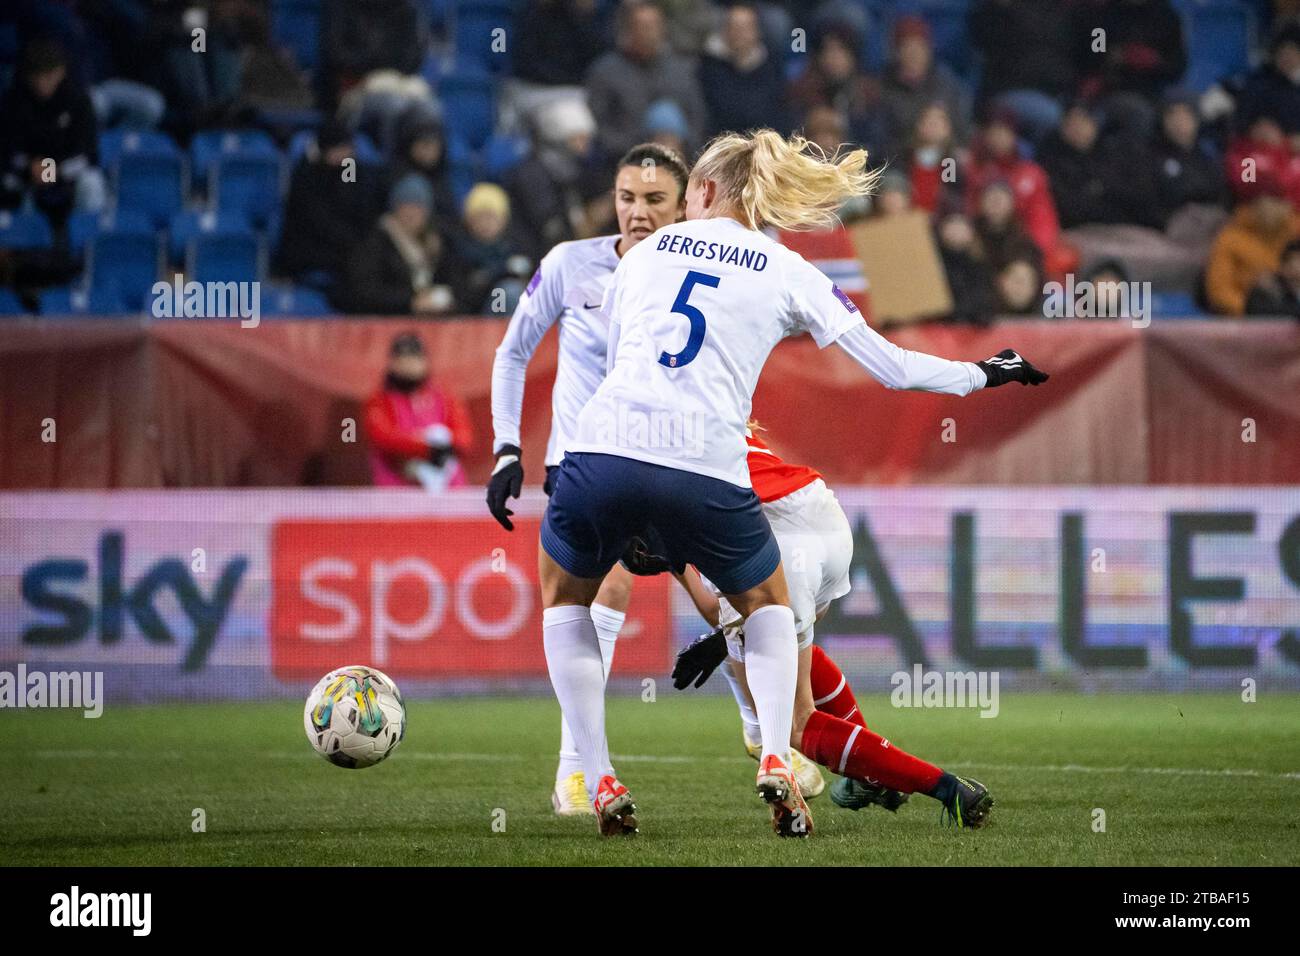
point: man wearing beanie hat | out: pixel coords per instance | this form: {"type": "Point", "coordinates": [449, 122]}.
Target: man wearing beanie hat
{"type": "Point", "coordinates": [395, 269]}
{"type": "Point", "coordinates": [325, 213]}
{"type": "Point", "coordinates": [915, 80]}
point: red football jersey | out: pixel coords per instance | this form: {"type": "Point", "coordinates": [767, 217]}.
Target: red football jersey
{"type": "Point", "coordinates": [773, 478]}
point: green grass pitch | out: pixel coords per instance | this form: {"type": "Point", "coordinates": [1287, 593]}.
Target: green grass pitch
{"type": "Point", "coordinates": [1194, 779]}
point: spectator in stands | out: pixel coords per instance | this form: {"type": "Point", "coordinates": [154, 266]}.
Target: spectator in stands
{"type": "Point", "coordinates": [558, 192]}
{"type": "Point", "coordinates": [1274, 89]}
{"type": "Point", "coordinates": [743, 83]}
{"type": "Point", "coordinates": [1263, 153]}
{"type": "Point", "coordinates": [1249, 246]}
{"type": "Point", "coordinates": [974, 299]}
{"type": "Point", "coordinates": [486, 261]}
{"type": "Point", "coordinates": [665, 124]}
{"type": "Point", "coordinates": [914, 81]}
{"type": "Point", "coordinates": [824, 127]}
{"type": "Point", "coordinates": [361, 36]}
{"type": "Point", "coordinates": [934, 161]}
{"type": "Point", "coordinates": [893, 195]}
{"type": "Point", "coordinates": [556, 41]}
{"type": "Point", "coordinates": [273, 90]}
{"type": "Point", "coordinates": [395, 269]}
{"type": "Point", "coordinates": [1096, 178]}
{"type": "Point", "coordinates": [996, 156]}
{"type": "Point", "coordinates": [1278, 293]}
{"type": "Point", "coordinates": [1182, 168]}
{"type": "Point", "coordinates": [623, 83]}
{"type": "Point", "coordinates": [200, 86]}
{"type": "Point", "coordinates": [835, 78]}
{"type": "Point", "coordinates": [49, 138]}
{"type": "Point", "coordinates": [1020, 286]}
{"type": "Point", "coordinates": [1000, 234]}
{"type": "Point", "coordinates": [417, 431]}
{"type": "Point", "coordinates": [1031, 55]}
{"type": "Point", "coordinates": [1144, 55]}
{"type": "Point", "coordinates": [328, 207]}
{"type": "Point", "coordinates": [421, 149]}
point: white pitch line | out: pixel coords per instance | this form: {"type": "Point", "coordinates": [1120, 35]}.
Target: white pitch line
{"type": "Point", "coordinates": [680, 759]}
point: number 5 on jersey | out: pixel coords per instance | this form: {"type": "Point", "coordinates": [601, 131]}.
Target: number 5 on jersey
{"type": "Point", "coordinates": [683, 307]}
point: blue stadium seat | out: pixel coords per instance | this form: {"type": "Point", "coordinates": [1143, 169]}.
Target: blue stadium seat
{"type": "Point", "coordinates": [469, 101]}
{"type": "Point", "coordinates": [116, 143]}
{"type": "Point", "coordinates": [76, 301]}
{"type": "Point", "coordinates": [1175, 305]}
{"type": "Point", "coordinates": [476, 23]}
{"type": "Point", "coordinates": [153, 185]}
{"type": "Point", "coordinates": [24, 230]}
{"type": "Point", "coordinates": [247, 186]}
{"type": "Point", "coordinates": [84, 226]}
{"type": "Point", "coordinates": [294, 300]}
{"type": "Point", "coordinates": [123, 266]}
{"type": "Point", "coordinates": [189, 223]}
{"type": "Point", "coordinates": [304, 143]}
{"type": "Point", "coordinates": [224, 257]}
{"type": "Point", "coordinates": [10, 304]}
{"type": "Point", "coordinates": [1219, 36]}
{"type": "Point", "coordinates": [502, 154]}
{"type": "Point", "coordinates": [295, 25]}
{"type": "Point", "coordinates": [212, 145]}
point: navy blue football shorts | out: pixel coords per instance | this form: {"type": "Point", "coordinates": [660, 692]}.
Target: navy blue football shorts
{"type": "Point", "coordinates": [598, 502]}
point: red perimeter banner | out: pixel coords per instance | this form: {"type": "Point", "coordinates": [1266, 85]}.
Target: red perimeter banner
{"type": "Point", "coordinates": [206, 403]}
{"type": "Point", "coordinates": [426, 598]}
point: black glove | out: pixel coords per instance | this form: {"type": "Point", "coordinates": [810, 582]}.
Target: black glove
{"type": "Point", "coordinates": [647, 555]}
{"type": "Point", "coordinates": [699, 660]}
{"type": "Point", "coordinates": [1008, 366]}
{"type": "Point", "coordinates": [506, 482]}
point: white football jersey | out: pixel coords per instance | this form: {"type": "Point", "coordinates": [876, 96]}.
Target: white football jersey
{"type": "Point", "coordinates": [567, 288]}
{"type": "Point", "coordinates": [695, 309]}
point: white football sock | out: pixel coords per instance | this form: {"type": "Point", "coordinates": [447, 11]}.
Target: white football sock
{"type": "Point", "coordinates": [608, 623]}
{"type": "Point", "coordinates": [772, 669]}
{"type": "Point", "coordinates": [577, 672]}
{"type": "Point", "coordinates": [748, 719]}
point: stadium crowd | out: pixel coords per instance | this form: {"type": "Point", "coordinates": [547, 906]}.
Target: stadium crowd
{"type": "Point", "coordinates": [420, 156]}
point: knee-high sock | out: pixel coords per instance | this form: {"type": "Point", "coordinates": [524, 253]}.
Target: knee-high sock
{"type": "Point", "coordinates": [608, 623]}
{"type": "Point", "coordinates": [830, 689]}
{"type": "Point", "coordinates": [748, 719]}
{"type": "Point", "coordinates": [772, 669]}
{"type": "Point", "coordinates": [578, 675]}
{"type": "Point", "coordinates": [853, 751]}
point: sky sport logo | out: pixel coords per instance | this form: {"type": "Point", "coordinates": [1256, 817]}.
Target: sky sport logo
{"type": "Point", "coordinates": [922, 688]}
{"type": "Point", "coordinates": [77, 690]}
{"type": "Point", "coordinates": [179, 299]}
{"type": "Point", "coordinates": [76, 909]}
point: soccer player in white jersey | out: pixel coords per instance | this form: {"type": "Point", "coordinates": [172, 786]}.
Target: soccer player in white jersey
{"type": "Point", "coordinates": [694, 312]}
{"type": "Point", "coordinates": [649, 192]}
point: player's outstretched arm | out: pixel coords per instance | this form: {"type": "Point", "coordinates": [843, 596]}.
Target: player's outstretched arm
{"type": "Point", "coordinates": [900, 368]}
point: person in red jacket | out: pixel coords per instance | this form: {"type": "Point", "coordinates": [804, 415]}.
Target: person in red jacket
{"type": "Point", "coordinates": [417, 431]}
{"type": "Point", "coordinates": [996, 157]}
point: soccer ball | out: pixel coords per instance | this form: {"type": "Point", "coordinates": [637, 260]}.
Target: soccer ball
{"type": "Point", "coordinates": [355, 717]}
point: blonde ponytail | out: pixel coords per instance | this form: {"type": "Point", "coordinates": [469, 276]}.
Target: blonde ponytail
{"type": "Point", "coordinates": [786, 184]}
